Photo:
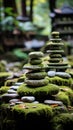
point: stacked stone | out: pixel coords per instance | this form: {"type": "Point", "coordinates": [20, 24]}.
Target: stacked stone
{"type": "Point", "coordinates": [36, 75]}
{"type": "Point", "coordinates": [55, 48]}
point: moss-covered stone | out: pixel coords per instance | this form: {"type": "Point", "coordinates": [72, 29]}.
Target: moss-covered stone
{"type": "Point", "coordinates": [3, 89]}
{"type": "Point", "coordinates": [35, 61]}
{"type": "Point", "coordinates": [70, 95]}
{"type": "Point", "coordinates": [2, 67]}
{"type": "Point", "coordinates": [41, 93]}
{"type": "Point", "coordinates": [70, 71]}
{"type": "Point", "coordinates": [3, 76]}
{"type": "Point", "coordinates": [60, 81]}
{"type": "Point", "coordinates": [60, 109]}
{"type": "Point", "coordinates": [10, 82]}
{"type": "Point", "coordinates": [36, 83]}
{"type": "Point", "coordinates": [36, 75]}
{"type": "Point", "coordinates": [62, 121]}
{"type": "Point", "coordinates": [38, 54]}
{"type": "Point", "coordinates": [62, 96]}
{"type": "Point", "coordinates": [27, 116]}
{"type": "Point", "coordinates": [21, 78]}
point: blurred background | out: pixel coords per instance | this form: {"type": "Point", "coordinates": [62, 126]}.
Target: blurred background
{"type": "Point", "coordinates": [26, 25]}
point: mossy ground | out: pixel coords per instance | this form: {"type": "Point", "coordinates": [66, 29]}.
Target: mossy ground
{"type": "Point", "coordinates": [26, 116]}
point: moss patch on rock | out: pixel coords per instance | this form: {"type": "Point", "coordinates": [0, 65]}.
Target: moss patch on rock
{"type": "Point", "coordinates": [27, 116]}
{"type": "Point", "coordinates": [3, 76]}
{"type": "Point", "coordinates": [10, 82]}
{"type": "Point", "coordinates": [3, 89]}
{"type": "Point", "coordinates": [36, 75]}
{"type": "Point", "coordinates": [40, 93]}
{"type": "Point", "coordinates": [60, 81]}
{"type": "Point", "coordinates": [62, 96]}
{"type": "Point", "coordinates": [63, 121]}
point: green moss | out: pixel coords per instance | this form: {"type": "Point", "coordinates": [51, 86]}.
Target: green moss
{"type": "Point", "coordinates": [36, 75]}
{"type": "Point", "coordinates": [27, 115]}
{"type": "Point", "coordinates": [2, 67]}
{"type": "Point", "coordinates": [10, 82]}
{"type": "Point", "coordinates": [70, 95]}
{"type": "Point", "coordinates": [62, 121]}
{"type": "Point", "coordinates": [35, 67]}
{"type": "Point", "coordinates": [60, 109]}
{"type": "Point", "coordinates": [69, 92]}
{"type": "Point", "coordinates": [21, 79]}
{"type": "Point", "coordinates": [70, 71]}
{"type": "Point", "coordinates": [60, 81]}
{"type": "Point", "coordinates": [37, 83]}
{"type": "Point", "coordinates": [40, 92]}
{"type": "Point", "coordinates": [35, 61]}
{"type": "Point", "coordinates": [61, 96]}
{"type": "Point", "coordinates": [4, 74]}
{"type": "Point", "coordinates": [4, 89]}
{"type": "Point", "coordinates": [38, 109]}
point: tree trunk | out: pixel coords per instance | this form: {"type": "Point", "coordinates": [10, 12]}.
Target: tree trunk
{"type": "Point", "coordinates": [52, 5]}
{"type": "Point", "coordinates": [31, 10]}
{"type": "Point", "coordinates": [23, 7]}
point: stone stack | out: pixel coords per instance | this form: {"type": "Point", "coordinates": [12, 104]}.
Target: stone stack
{"type": "Point", "coordinates": [36, 76]}
{"type": "Point", "coordinates": [55, 49]}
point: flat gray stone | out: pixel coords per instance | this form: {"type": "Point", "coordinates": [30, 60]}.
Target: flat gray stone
{"type": "Point", "coordinates": [14, 87]}
{"type": "Point", "coordinates": [51, 102]}
{"type": "Point", "coordinates": [63, 75]}
{"type": "Point", "coordinates": [36, 102]}
{"type": "Point", "coordinates": [51, 73]}
{"type": "Point", "coordinates": [19, 102]}
{"type": "Point", "coordinates": [18, 83]}
{"type": "Point", "coordinates": [14, 100]}
{"type": "Point", "coordinates": [6, 97]}
{"type": "Point", "coordinates": [11, 91]}
{"type": "Point", "coordinates": [28, 99]}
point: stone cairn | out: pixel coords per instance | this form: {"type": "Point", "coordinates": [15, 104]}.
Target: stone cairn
{"type": "Point", "coordinates": [36, 75]}
{"type": "Point", "coordinates": [55, 49]}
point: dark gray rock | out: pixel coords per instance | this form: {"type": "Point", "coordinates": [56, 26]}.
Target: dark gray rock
{"type": "Point", "coordinates": [63, 75]}
{"type": "Point", "coordinates": [28, 99]}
